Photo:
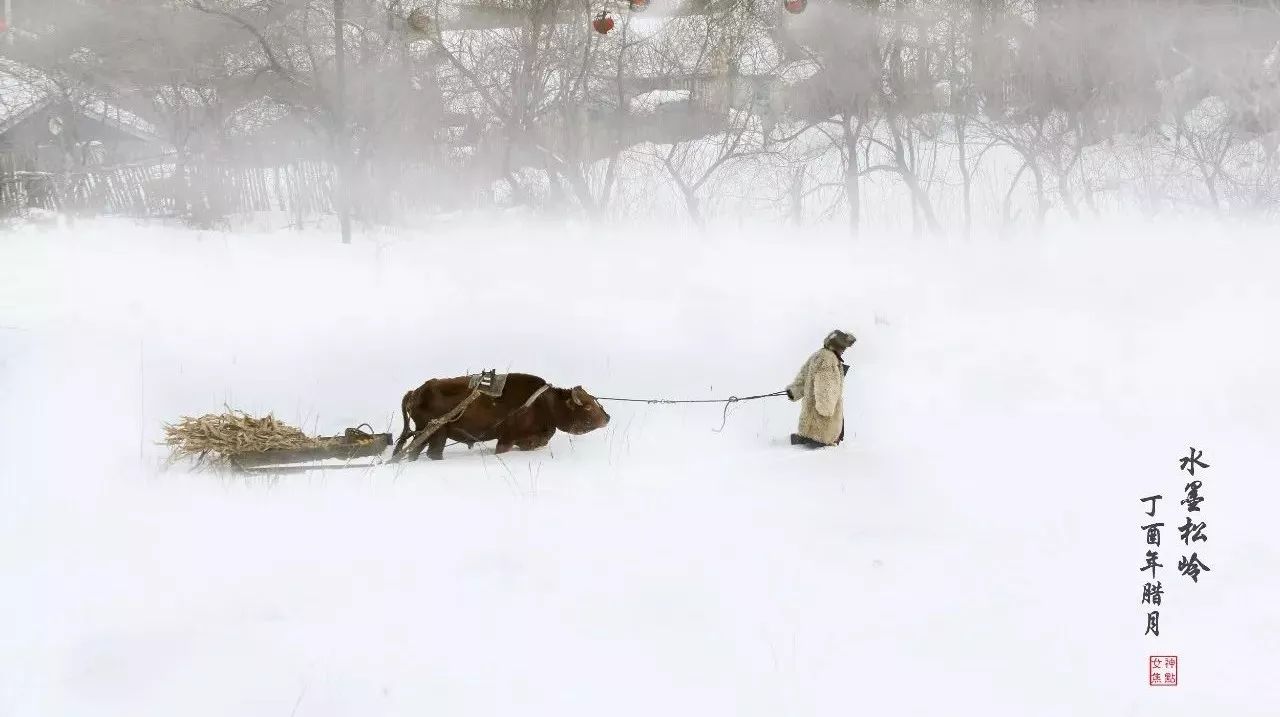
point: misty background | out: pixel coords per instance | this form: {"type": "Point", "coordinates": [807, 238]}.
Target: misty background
{"type": "Point", "coordinates": [928, 117]}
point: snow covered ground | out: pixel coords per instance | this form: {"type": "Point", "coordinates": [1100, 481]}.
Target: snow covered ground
{"type": "Point", "coordinates": [975, 549]}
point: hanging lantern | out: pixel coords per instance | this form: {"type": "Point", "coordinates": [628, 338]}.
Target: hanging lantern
{"type": "Point", "coordinates": [795, 7]}
{"type": "Point", "coordinates": [420, 20]}
{"type": "Point", "coordinates": [638, 5]}
{"type": "Point", "coordinates": [603, 23]}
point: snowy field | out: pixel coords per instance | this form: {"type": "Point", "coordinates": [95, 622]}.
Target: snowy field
{"type": "Point", "coordinates": [974, 549]}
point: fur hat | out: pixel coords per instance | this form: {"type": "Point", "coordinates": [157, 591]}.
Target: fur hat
{"type": "Point", "coordinates": [842, 339]}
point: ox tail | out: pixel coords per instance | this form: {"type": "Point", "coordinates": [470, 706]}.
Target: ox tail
{"type": "Point", "coordinates": [405, 433]}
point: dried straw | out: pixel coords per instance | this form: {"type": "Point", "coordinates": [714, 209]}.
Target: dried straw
{"type": "Point", "coordinates": [214, 438]}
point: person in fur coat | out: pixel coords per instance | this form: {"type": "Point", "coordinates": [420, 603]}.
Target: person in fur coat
{"type": "Point", "coordinates": [820, 385]}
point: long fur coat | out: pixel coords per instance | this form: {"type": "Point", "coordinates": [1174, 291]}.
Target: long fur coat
{"type": "Point", "coordinates": [820, 387]}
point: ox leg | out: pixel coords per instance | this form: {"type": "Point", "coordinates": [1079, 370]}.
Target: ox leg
{"type": "Point", "coordinates": [395, 452]}
{"type": "Point", "coordinates": [533, 443]}
{"type": "Point", "coordinates": [416, 446]}
{"type": "Point", "coordinates": [435, 447]}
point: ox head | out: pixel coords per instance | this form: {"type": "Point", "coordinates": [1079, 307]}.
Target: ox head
{"type": "Point", "coordinates": [579, 412]}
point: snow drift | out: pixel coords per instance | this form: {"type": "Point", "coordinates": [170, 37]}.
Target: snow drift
{"type": "Point", "coordinates": [975, 548]}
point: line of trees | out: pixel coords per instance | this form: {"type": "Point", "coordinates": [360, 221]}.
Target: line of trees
{"type": "Point", "coordinates": [938, 115]}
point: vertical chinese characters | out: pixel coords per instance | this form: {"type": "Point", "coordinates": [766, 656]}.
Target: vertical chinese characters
{"type": "Point", "coordinates": [1190, 531]}
{"type": "Point", "coordinates": [1152, 591]}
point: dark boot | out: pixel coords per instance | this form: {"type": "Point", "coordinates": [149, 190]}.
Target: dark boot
{"type": "Point", "coordinates": [799, 440]}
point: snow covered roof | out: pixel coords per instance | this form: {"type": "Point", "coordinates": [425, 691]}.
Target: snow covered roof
{"type": "Point", "coordinates": [25, 90]}
{"type": "Point", "coordinates": [798, 71]}
{"type": "Point", "coordinates": [121, 119]}
{"type": "Point", "coordinates": [256, 116]}
{"type": "Point", "coordinates": [651, 101]}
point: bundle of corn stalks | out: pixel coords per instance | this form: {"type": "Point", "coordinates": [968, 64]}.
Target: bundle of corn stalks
{"type": "Point", "coordinates": [212, 439]}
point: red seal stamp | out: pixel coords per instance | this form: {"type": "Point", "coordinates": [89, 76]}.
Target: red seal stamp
{"type": "Point", "coordinates": [1162, 671]}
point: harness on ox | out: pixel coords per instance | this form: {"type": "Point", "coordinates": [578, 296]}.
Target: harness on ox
{"type": "Point", "coordinates": [490, 383]}
{"type": "Point", "coordinates": [486, 383]}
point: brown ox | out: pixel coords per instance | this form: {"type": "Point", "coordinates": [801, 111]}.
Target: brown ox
{"type": "Point", "coordinates": [506, 418]}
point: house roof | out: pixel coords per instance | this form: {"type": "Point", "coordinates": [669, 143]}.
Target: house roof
{"type": "Point", "coordinates": [259, 116]}
{"type": "Point", "coordinates": [25, 91]}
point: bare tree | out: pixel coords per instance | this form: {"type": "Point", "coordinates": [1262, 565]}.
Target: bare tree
{"type": "Point", "coordinates": [715, 121]}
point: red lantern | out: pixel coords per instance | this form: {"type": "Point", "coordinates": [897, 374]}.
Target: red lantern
{"type": "Point", "coordinates": [638, 5]}
{"type": "Point", "coordinates": [603, 23]}
{"type": "Point", "coordinates": [795, 7]}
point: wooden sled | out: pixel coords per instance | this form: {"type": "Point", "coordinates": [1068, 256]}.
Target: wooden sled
{"type": "Point", "coordinates": [354, 443]}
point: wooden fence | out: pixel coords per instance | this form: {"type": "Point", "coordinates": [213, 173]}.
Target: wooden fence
{"type": "Point", "coordinates": [206, 193]}
{"type": "Point", "coordinates": [167, 187]}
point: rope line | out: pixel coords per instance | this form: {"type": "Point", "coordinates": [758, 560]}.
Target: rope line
{"type": "Point", "coordinates": [731, 399]}
{"type": "Point", "coordinates": [724, 417]}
